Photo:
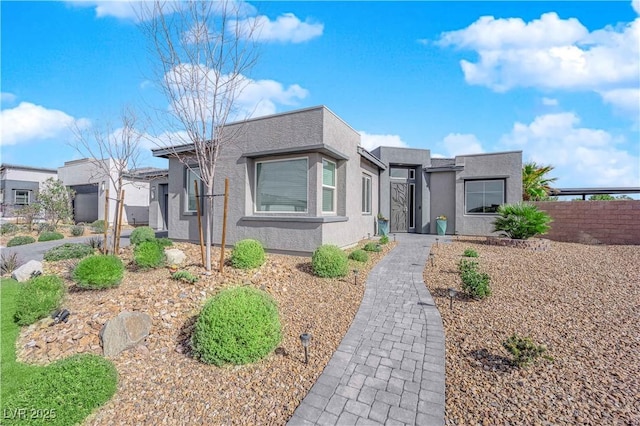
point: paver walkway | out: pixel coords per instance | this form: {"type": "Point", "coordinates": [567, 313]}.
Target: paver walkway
{"type": "Point", "coordinates": [389, 367]}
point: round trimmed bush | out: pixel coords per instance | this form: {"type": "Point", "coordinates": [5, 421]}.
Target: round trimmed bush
{"type": "Point", "coordinates": [142, 234]}
{"type": "Point", "coordinates": [238, 326]}
{"type": "Point", "coordinates": [359, 255]}
{"type": "Point", "coordinates": [20, 240]}
{"type": "Point", "coordinates": [329, 261]}
{"type": "Point", "coordinates": [384, 239]}
{"type": "Point", "coordinates": [99, 226]}
{"type": "Point", "coordinates": [45, 227]}
{"type": "Point", "coordinates": [247, 254]}
{"type": "Point", "coordinates": [77, 230]}
{"type": "Point", "coordinates": [68, 251]}
{"type": "Point", "coordinates": [148, 254]}
{"type": "Point", "coordinates": [164, 242]}
{"type": "Point", "coordinates": [50, 236]}
{"type": "Point", "coordinates": [8, 228]}
{"type": "Point", "coordinates": [37, 298]}
{"type": "Point", "coordinates": [372, 247]}
{"type": "Point", "coordinates": [99, 271]}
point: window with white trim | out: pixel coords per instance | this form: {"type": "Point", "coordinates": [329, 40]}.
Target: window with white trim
{"type": "Point", "coordinates": [483, 196]}
{"type": "Point", "coordinates": [281, 185]}
{"type": "Point", "coordinates": [366, 194]}
{"type": "Point", "coordinates": [22, 197]}
{"type": "Point", "coordinates": [328, 186]}
{"type": "Point", "coordinates": [192, 174]}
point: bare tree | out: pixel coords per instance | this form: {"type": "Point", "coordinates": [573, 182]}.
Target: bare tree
{"type": "Point", "coordinates": [113, 152]}
{"type": "Point", "coordinates": [204, 51]}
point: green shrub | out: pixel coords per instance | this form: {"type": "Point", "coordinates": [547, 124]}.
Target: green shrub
{"type": "Point", "coordinates": [524, 350]}
{"type": "Point", "coordinates": [99, 226]}
{"type": "Point", "coordinates": [373, 247]}
{"type": "Point", "coordinates": [142, 234]}
{"type": "Point", "coordinates": [45, 227]}
{"type": "Point", "coordinates": [185, 276]}
{"type": "Point", "coordinates": [521, 221]}
{"type": "Point", "coordinates": [247, 254]}
{"type": "Point", "coordinates": [329, 261]}
{"type": "Point", "coordinates": [68, 251]}
{"type": "Point", "coordinates": [164, 242]}
{"type": "Point", "coordinates": [384, 239]}
{"type": "Point", "coordinates": [148, 254]}
{"type": "Point", "coordinates": [50, 236]}
{"type": "Point", "coordinates": [8, 228]}
{"type": "Point", "coordinates": [99, 271]}
{"type": "Point", "coordinates": [237, 326]}
{"type": "Point", "coordinates": [470, 253]}
{"type": "Point", "coordinates": [20, 240]}
{"type": "Point", "coordinates": [77, 230]}
{"type": "Point", "coordinates": [37, 298]}
{"type": "Point", "coordinates": [474, 283]}
{"type": "Point", "coordinates": [359, 255]}
{"type": "Point", "coordinates": [9, 263]}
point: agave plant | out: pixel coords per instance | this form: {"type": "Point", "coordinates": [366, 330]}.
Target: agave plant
{"type": "Point", "coordinates": [521, 221]}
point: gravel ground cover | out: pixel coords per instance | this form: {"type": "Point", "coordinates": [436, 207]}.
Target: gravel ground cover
{"type": "Point", "coordinates": [582, 302]}
{"type": "Point", "coordinates": [160, 382]}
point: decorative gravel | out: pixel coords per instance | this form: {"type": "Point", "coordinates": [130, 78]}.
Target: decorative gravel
{"type": "Point", "coordinates": [161, 383]}
{"type": "Point", "coordinates": [582, 302]}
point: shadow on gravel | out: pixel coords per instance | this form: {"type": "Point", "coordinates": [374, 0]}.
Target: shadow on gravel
{"type": "Point", "coordinates": [184, 335]}
{"type": "Point", "coordinates": [444, 293]}
{"type": "Point", "coordinates": [305, 267]}
{"type": "Point", "coordinates": [485, 360]}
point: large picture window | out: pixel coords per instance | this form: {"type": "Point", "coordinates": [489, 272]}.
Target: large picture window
{"type": "Point", "coordinates": [366, 194]}
{"type": "Point", "coordinates": [328, 186]}
{"type": "Point", "coordinates": [21, 197]}
{"type": "Point", "coordinates": [483, 196]}
{"type": "Point", "coordinates": [192, 174]}
{"type": "Point", "coordinates": [281, 185]}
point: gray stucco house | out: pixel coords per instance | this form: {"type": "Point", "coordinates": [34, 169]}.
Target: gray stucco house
{"type": "Point", "coordinates": [301, 179]}
{"type": "Point", "coordinates": [19, 186]}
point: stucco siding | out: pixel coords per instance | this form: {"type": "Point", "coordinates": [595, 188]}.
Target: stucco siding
{"type": "Point", "coordinates": [443, 199]}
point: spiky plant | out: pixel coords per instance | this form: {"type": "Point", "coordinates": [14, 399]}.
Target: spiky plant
{"type": "Point", "coordinates": [521, 221]}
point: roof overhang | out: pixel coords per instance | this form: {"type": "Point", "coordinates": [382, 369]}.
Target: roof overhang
{"type": "Point", "coordinates": [443, 169]}
{"type": "Point", "coordinates": [369, 156]}
{"type": "Point", "coordinates": [593, 191]}
{"type": "Point", "coordinates": [321, 148]}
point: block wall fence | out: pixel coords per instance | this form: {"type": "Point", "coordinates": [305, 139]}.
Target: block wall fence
{"type": "Point", "coordinates": [594, 222]}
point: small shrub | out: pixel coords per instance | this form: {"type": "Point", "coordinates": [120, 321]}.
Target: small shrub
{"type": "Point", "coordinates": [359, 255]}
{"type": "Point", "coordinates": [329, 261]}
{"type": "Point", "coordinates": [524, 350]}
{"type": "Point", "coordinates": [9, 263]}
{"type": "Point", "coordinates": [148, 254]}
{"type": "Point", "coordinates": [521, 221]}
{"type": "Point", "coordinates": [247, 254]}
{"type": "Point", "coordinates": [95, 243]}
{"type": "Point", "coordinates": [8, 228]}
{"type": "Point", "coordinates": [45, 227]}
{"type": "Point", "coordinates": [50, 236]}
{"type": "Point", "coordinates": [239, 325]}
{"type": "Point", "coordinates": [373, 247]}
{"type": "Point", "coordinates": [77, 230]}
{"type": "Point", "coordinates": [20, 240]}
{"type": "Point", "coordinates": [164, 242]}
{"type": "Point", "coordinates": [142, 234]}
{"type": "Point", "coordinates": [474, 283]}
{"type": "Point", "coordinates": [185, 276]}
{"type": "Point", "coordinates": [99, 226]}
{"type": "Point", "coordinates": [384, 239]}
{"type": "Point", "coordinates": [470, 253]}
{"type": "Point", "coordinates": [68, 251]}
{"type": "Point", "coordinates": [99, 271]}
{"type": "Point", "coordinates": [37, 298]}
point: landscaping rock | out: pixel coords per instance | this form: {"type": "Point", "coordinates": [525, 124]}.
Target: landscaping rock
{"type": "Point", "coordinates": [24, 272]}
{"type": "Point", "coordinates": [175, 256]}
{"type": "Point", "coordinates": [125, 331]}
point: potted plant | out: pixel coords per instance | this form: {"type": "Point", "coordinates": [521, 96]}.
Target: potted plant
{"type": "Point", "coordinates": [441, 224]}
{"type": "Point", "coordinates": [383, 225]}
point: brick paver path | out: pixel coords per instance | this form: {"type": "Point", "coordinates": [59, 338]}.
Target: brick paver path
{"type": "Point", "coordinates": [389, 368]}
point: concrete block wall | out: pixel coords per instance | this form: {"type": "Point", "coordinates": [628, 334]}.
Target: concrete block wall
{"type": "Point", "coordinates": [594, 222]}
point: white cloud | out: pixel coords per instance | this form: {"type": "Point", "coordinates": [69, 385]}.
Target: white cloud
{"type": "Point", "coordinates": [635, 4]}
{"type": "Point", "coordinates": [6, 97]}
{"type": "Point", "coordinates": [371, 141]}
{"type": "Point", "coordinates": [121, 9]}
{"type": "Point", "coordinates": [625, 100]}
{"type": "Point", "coordinates": [286, 28]}
{"type": "Point", "coordinates": [549, 53]}
{"type": "Point", "coordinates": [549, 101]}
{"type": "Point", "coordinates": [581, 156]}
{"type": "Point", "coordinates": [461, 144]}
{"type": "Point", "coordinates": [28, 122]}
{"type": "Point", "coordinates": [260, 97]}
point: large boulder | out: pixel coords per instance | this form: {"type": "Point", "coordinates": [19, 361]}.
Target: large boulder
{"type": "Point", "coordinates": [125, 331]}
{"type": "Point", "coordinates": [175, 256]}
{"type": "Point", "coordinates": [25, 272]}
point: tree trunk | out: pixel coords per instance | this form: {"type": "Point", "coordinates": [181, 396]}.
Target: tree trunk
{"type": "Point", "coordinates": [209, 227]}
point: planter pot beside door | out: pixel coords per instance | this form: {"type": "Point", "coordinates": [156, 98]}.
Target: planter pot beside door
{"type": "Point", "coordinates": [383, 227]}
{"type": "Point", "coordinates": [441, 226]}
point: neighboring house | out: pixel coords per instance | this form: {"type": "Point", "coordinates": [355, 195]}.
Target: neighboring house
{"type": "Point", "coordinates": [19, 186]}
{"type": "Point", "coordinates": [90, 183]}
{"type": "Point", "coordinates": [301, 179]}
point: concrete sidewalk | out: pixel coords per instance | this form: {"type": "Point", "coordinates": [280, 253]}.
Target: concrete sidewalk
{"type": "Point", "coordinates": [389, 368]}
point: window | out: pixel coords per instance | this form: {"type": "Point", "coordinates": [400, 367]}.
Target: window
{"type": "Point", "coordinates": [328, 186]}
{"type": "Point", "coordinates": [398, 172]}
{"type": "Point", "coordinates": [281, 186]}
{"type": "Point", "coordinates": [366, 194]}
{"type": "Point", "coordinates": [21, 197]}
{"type": "Point", "coordinates": [412, 205]}
{"type": "Point", "coordinates": [192, 174]}
{"type": "Point", "coordinates": [412, 174]}
{"type": "Point", "coordinates": [483, 196]}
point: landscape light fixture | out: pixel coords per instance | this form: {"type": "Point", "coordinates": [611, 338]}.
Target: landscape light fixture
{"type": "Point", "coordinates": [394, 238]}
{"type": "Point", "coordinates": [368, 235]}
{"type": "Point", "coordinates": [452, 294]}
{"type": "Point", "coordinates": [305, 339]}
{"type": "Point", "coordinates": [432, 259]}
{"type": "Point", "coordinates": [355, 276]}
{"type": "Point", "coordinates": [437, 241]}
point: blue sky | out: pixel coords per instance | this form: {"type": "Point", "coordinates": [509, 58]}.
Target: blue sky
{"type": "Point", "coordinates": [558, 80]}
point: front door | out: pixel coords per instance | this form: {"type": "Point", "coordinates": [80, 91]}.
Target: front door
{"type": "Point", "coordinates": [399, 207]}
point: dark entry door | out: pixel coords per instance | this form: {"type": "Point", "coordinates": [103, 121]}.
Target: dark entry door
{"type": "Point", "coordinates": [399, 207]}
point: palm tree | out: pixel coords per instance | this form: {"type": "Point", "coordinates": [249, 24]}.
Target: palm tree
{"type": "Point", "coordinates": [535, 185]}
